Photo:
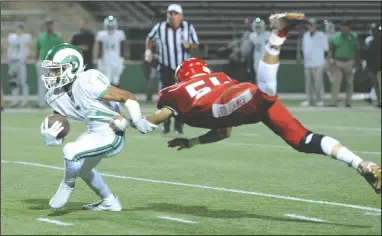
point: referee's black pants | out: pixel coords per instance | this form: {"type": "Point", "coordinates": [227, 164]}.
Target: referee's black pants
{"type": "Point", "coordinates": [167, 79]}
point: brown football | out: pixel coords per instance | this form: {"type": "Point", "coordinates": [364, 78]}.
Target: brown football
{"type": "Point", "coordinates": [65, 123]}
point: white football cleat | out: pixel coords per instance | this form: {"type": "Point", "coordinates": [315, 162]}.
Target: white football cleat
{"type": "Point", "coordinates": [305, 103]}
{"type": "Point", "coordinates": [61, 197]}
{"type": "Point", "coordinates": [320, 104]}
{"type": "Point", "coordinates": [104, 205]}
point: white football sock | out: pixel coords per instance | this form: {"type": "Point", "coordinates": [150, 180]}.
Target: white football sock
{"type": "Point", "coordinates": [94, 180]}
{"type": "Point", "coordinates": [72, 168]}
{"type": "Point", "coordinates": [348, 157]}
{"type": "Point", "coordinates": [343, 154]}
{"type": "Point", "coordinates": [267, 78]}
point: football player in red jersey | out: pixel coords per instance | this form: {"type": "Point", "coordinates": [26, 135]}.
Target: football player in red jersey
{"type": "Point", "coordinates": [217, 102]}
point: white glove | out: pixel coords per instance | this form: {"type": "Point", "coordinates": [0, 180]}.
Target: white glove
{"type": "Point", "coordinates": [144, 126]}
{"type": "Point", "coordinates": [51, 133]}
{"type": "Point", "coordinates": [148, 55]}
{"type": "Point", "coordinates": [119, 125]}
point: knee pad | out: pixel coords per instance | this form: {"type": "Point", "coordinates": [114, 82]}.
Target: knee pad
{"type": "Point", "coordinates": [311, 143]}
{"type": "Point", "coordinates": [69, 151]}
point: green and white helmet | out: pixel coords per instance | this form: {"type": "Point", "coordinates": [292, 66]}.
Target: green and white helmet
{"type": "Point", "coordinates": [110, 23]}
{"type": "Point", "coordinates": [63, 63]}
{"type": "Point", "coordinates": [258, 25]}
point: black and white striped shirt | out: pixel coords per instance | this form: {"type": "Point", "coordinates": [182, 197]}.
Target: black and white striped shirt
{"type": "Point", "coordinates": [169, 42]}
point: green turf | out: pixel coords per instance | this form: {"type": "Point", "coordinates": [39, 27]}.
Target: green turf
{"type": "Point", "coordinates": [253, 159]}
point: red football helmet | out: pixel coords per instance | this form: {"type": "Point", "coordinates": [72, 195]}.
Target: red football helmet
{"type": "Point", "coordinates": [190, 68]}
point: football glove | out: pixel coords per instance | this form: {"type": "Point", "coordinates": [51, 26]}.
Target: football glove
{"type": "Point", "coordinates": [51, 133]}
{"type": "Point", "coordinates": [119, 124]}
{"type": "Point", "coordinates": [144, 126]}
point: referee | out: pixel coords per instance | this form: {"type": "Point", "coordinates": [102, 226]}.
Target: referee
{"type": "Point", "coordinates": [175, 39]}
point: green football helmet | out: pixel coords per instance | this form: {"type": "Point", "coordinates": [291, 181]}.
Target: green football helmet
{"type": "Point", "coordinates": [258, 25]}
{"type": "Point", "coordinates": [110, 23]}
{"type": "Point", "coordinates": [63, 64]}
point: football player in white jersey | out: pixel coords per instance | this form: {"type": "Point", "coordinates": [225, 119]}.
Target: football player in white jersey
{"type": "Point", "coordinates": [260, 41]}
{"type": "Point", "coordinates": [88, 97]}
{"type": "Point", "coordinates": [330, 30]}
{"type": "Point", "coordinates": [18, 52]}
{"type": "Point", "coordinates": [110, 54]}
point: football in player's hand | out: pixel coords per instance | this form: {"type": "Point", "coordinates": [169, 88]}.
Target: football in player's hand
{"type": "Point", "coordinates": [65, 123]}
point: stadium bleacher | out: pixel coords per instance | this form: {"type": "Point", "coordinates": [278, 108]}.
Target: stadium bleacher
{"type": "Point", "coordinates": [217, 23]}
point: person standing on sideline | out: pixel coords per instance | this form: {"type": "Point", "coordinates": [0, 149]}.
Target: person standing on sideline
{"type": "Point", "coordinates": [84, 39]}
{"type": "Point", "coordinates": [373, 60]}
{"type": "Point", "coordinates": [175, 39]}
{"type": "Point", "coordinates": [18, 51]}
{"type": "Point", "coordinates": [330, 30]}
{"type": "Point", "coordinates": [111, 42]}
{"type": "Point", "coordinates": [45, 42]}
{"type": "Point", "coordinates": [344, 59]}
{"type": "Point", "coordinates": [314, 47]}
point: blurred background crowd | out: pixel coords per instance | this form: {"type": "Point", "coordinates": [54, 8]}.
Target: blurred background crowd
{"type": "Point", "coordinates": [332, 60]}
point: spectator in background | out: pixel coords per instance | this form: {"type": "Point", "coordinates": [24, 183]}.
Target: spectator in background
{"type": "Point", "coordinates": [373, 60]}
{"type": "Point", "coordinates": [18, 51]}
{"type": "Point", "coordinates": [175, 39]}
{"type": "Point", "coordinates": [246, 73]}
{"type": "Point", "coordinates": [344, 59]}
{"type": "Point", "coordinates": [314, 47]}
{"type": "Point", "coordinates": [329, 31]}
{"type": "Point", "coordinates": [84, 39]}
{"type": "Point", "coordinates": [111, 42]}
{"type": "Point", "coordinates": [45, 42]}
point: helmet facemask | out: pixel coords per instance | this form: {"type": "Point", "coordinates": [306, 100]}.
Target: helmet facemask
{"type": "Point", "coordinates": [57, 75]}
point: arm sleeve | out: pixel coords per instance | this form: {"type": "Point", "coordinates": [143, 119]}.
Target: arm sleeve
{"type": "Point", "coordinates": [194, 36]}
{"type": "Point", "coordinates": [95, 85]}
{"type": "Point", "coordinates": [154, 32]}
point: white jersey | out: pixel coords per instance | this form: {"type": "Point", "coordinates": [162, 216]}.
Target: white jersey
{"type": "Point", "coordinates": [111, 45]}
{"type": "Point", "coordinates": [259, 42]}
{"type": "Point", "coordinates": [18, 46]}
{"type": "Point", "coordinates": [83, 102]}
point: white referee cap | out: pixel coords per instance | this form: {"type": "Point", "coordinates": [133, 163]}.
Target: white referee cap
{"type": "Point", "coordinates": [176, 8]}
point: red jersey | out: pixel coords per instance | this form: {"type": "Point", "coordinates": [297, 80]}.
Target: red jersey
{"type": "Point", "coordinates": [215, 101]}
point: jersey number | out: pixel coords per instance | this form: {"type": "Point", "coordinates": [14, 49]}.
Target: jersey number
{"type": "Point", "coordinates": [191, 88]}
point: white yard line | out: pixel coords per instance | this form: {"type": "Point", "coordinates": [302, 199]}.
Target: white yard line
{"type": "Point", "coordinates": [57, 222]}
{"type": "Point", "coordinates": [275, 196]}
{"type": "Point", "coordinates": [373, 213]}
{"type": "Point", "coordinates": [274, 147]}
{"type": "Point", "coordinates": [304, 218]}
{"type": "Point", "coordinates": [177, 219]}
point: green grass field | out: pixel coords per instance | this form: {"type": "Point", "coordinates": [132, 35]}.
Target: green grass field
{"type": "Point", "coordinates": [252, 183]}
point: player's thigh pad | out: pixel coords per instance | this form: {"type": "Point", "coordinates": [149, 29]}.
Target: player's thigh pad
{"type": "Point", "coordinates": [282, 122]}
{"type": "Point", "coordinates": [92, 145]}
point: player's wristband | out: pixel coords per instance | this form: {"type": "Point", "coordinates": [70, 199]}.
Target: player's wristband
{"type": "Point", "coordinates": [134, 109]}
{"type": "Point", "coordinates": [194, 141]}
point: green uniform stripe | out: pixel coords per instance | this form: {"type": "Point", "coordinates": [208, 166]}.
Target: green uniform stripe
{"type": "Point", "coordinates": [98, 151]}
{"type": "Point", "coordinates": [100, 97]}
